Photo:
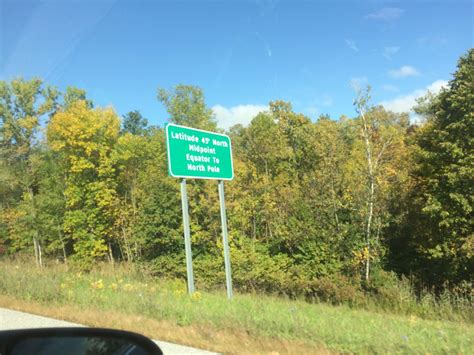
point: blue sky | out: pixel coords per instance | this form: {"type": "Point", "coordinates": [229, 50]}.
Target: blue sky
{"type": "Point", "coordinates": [243, 54]}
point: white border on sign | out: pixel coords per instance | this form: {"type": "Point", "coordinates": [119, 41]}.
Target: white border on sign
{"type": "Point", "coordinates": [197, 177]}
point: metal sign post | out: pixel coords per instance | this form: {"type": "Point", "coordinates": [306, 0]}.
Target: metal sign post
{"type": "Point", "coordinates": [187, 237]}
{"type": "Point", "coordinates": [225, 240]}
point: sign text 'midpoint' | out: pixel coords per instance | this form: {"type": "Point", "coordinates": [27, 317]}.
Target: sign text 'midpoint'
{"type": "Point", "coordinates": [193, 153]}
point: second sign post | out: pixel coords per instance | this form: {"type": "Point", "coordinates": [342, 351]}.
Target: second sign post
{"type": "Point", "coordinates": [198, 154]}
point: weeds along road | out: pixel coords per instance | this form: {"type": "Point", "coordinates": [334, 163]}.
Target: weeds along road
{"type": "Point", "coordinates": [10, 319]}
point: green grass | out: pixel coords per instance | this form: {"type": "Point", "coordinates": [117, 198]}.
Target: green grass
{"type": "Point", "coordinates": [338, 328]}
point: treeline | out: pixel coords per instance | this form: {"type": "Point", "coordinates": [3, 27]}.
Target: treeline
{"type": "Point", "coordinates": [328, 201]}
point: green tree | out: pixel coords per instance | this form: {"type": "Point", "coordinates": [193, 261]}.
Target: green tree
{"type": "Point", "coordinates": [157, 227]}
{"type": "Point", "coordinates": [444, 192]}
{"type": "Point", "coordinates": [50, 202]}
{"type": "Point", "coordinates": [74, 94]}
{"type": "Point", "coordinates": [186, 106]}
{"type": "Point", "coordinates": [267, 156]}
{"type": "Point", "coordinates": [324, 189]}
{"type": "Point", "coordinates": [134, 123]}
{"type": "Point", "coordinates": [22, 106]}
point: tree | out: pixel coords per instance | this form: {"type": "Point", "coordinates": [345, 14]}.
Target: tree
{"type": "Point", "coordinates": [186, 106]}
{"type": "Point", "coordinates": [85, 138]}
{"type": "Point", "coordinates": [50, 202]}
{"type": "Point", "coordinates": [381, 132]}
{"type": "Point", "coordinates": [134, 123]}
{"type": "Point", "coordinates": [294, 128]}
{"type": "Point", "coordinates": [157, 222]}
{"type": "Point", "coordinates": [22, 105]}
{"type": "Point", "coordinates": [324, 185]}
{"type": "Point", "coordinates": [74, 94]}
{"type": "Point", "coordinates": [443, 199]}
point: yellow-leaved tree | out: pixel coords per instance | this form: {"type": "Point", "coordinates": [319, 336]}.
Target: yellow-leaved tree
{"type": "Point", "coordinates": [85, 139]}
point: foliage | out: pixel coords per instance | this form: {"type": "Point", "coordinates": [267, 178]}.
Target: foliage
{"type": "Point", "coordinates": [186, 107]}
{"type": "Point", "coordinates": [324, 209]}
{"type": "Point", "coordinates": [23, 104]}
{"type": "Point", "coordinates": [84, 139]}
{"type": "Point", "coordinates": [439, 227]}
{"type": "Point", "coordinates": [134, 123]}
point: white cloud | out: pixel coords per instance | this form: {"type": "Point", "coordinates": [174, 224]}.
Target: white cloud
{"type": "Point", "coordinates": [243, 114]}
{"type": "Point", "coordinates": [352, 45]}
{"type": "Point", "coordinates": [389, 87]}
{"type": "Point", "coordinates": [327, 100]}
{"type": "Point", "coordinates": [432, 41]}
{"type": "Point", "coordinates": [403, 72]}
{"type": "Point", "coordinates": [358, 83]}
{"type": "Point", "coordinates": [388, 52]}
{"type": "Point", "coordinates": [436, 86]}
{"type": "Point", "coordinates": [386, 14]}
{"type": "Point", "coordinates": [405, 103]}
{"type": "Point", "coordinates": [312, 110]}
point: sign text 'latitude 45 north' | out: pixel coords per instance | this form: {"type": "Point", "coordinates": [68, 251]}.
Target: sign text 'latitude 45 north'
{"type": "Point", "coordinates": [193, 153]}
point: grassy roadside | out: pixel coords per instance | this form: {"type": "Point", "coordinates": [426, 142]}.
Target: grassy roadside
{"type": "Point", "coordinates": [249, 323]}
{"type": "Point", "coordinates": [193, 335]}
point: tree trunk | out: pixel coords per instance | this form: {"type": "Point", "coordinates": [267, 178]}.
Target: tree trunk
{"type": "Point", "coordinates": [334, 207]}
{"type": "Point", "coordinates": [64, 253]}
{"type": "Point", "coordinates": [126, 242]}
{"type": "Point", "coordinates": [138, 250]}
{"type": "Point", "coordinates": [36, 234]}
{"type": "Point", "coordinates": [371, 178]}
{"type": "Point", "coordinates": [121, 251]}
{"type": "Point", "coordinates": [368, 231]}
{"type": "Point", "coordinates": [40, 256]}
{"type": "Point", "coordinates": [133, 199]}
{"type": "Point", "coordinates": [111, 255]}
{"type": "Point", "coordinates": [62, 244]}
{"type": "Point", "coordinates": [35, 246]}
{"type": "Point", "coordinates": [254, 231]}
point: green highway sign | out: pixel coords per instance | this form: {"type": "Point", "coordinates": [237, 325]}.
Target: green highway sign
{"type": "Point", "coordinates": [193, 153]}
